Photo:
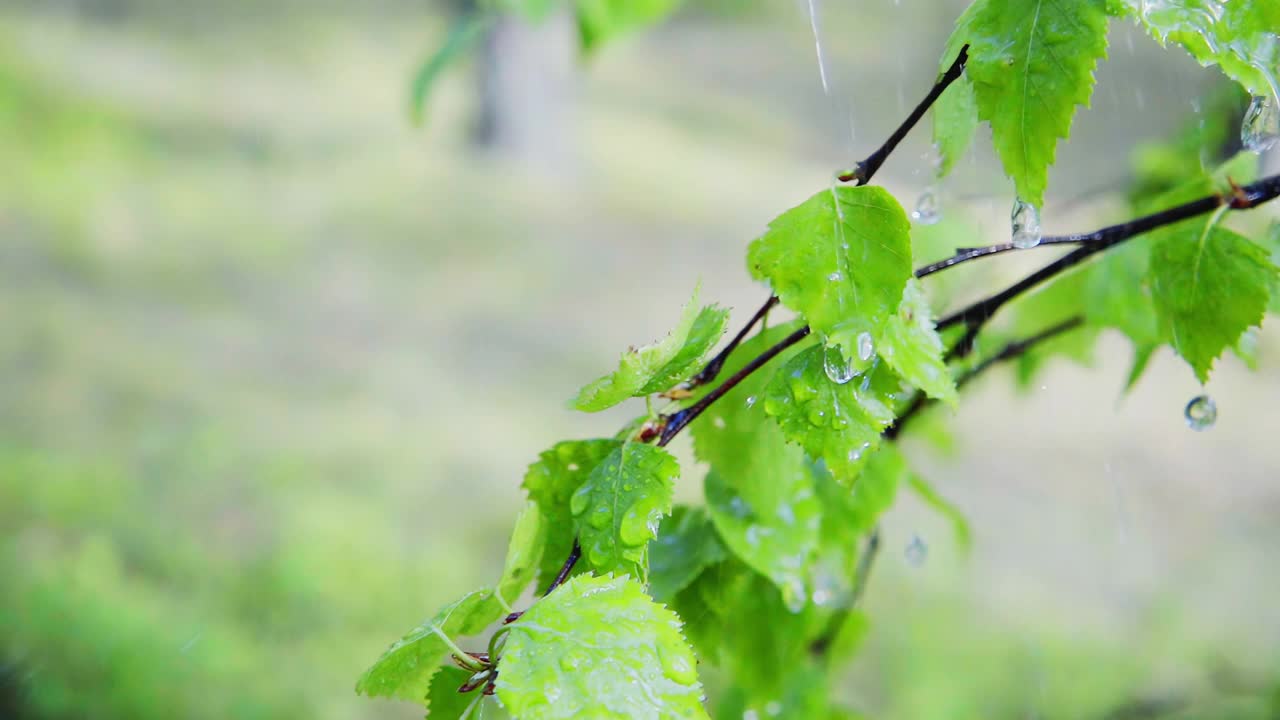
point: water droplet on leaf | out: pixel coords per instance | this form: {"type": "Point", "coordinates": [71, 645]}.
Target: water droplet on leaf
{"type": "Point", "coordinates": [928, 210]}
{"type": "Point", "coordinates": [1025, 221]}
{"type": "Point", "coordinates": [600, 517]}
{"type": "Point", "coordinates": [793, 595]}
{"type": "Point", "coordinates": [634, 528]}
{"type": "Point", "coordinates": [677, 665]}
{"type": "Point", "coordinates": [916, 551]}
{"type": "Point", "coordinates": [1201, 413]}
{"type": "Point", "coordinates": [751, 401]}
{"type": "Point", "coordinates": [578, 503]}
{"type": "Point", "coordinates": [866, 347]}
{"type": "Point", "coordinates": [838, 370]}
{"type": "Point", "coordinates": [1261, 127]}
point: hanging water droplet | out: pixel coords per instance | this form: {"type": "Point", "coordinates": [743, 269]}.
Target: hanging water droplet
{"type": "Point", "coordinates": [866, 347]}
{"type": "Point", "coordinates": [1025, 220]}
{"type": "Point", "coordinates": [1201, 413]}
{"type": "Point", "coordinates": [838, 370]}
{"type": "Point", "coordinates": [1261, 127]}
{"type": "Point", "coordinates": [916, 551]}
{"type": "Point", "coordinates": [927, 210]}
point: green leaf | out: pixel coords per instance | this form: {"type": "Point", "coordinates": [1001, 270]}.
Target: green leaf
{"type": "Point", "coordinates": [617, 510]}
{"type": "Point", "coordinates": [841, 259]}
{"type": "Point", "coordinates": [598, 647]}
{"type": "Point", "coordinates": [551, 482]}
{"type": "Point", "coordinates": [841, 423]}
{"type": "Point", "coordinates": [1117, 293]}
{"type": "Point", "coordinates": [1240, 37]}
{"type": "Point", "coordinates": [758, 489]}
{"type": "Point", "coordinates": [444, 702]}
{"type": "Point", "coordinates": [1209, 285]}
{"type": "Point", "coordinates": [524, 553]}
{"type": "Point", "coordinates": [462, 37]}
{"type": "Point", "coordinates": [955, 114]}
{"type": "Point", "coordinates": [687, 544]}
{"type": "Point", "coordinates": [405, 669]}
{"type": "Point", "coordinates": [912, 347]}
{"type": "Point", "coordinates": [600, 21]}
{"type": "Point", "coordinates": [1031, 63]}
{"type": "Point", "coordinates": [930, 496]}
{"type": "Point", "coordinates": [661, 366]}
{"type": "Point", "coordinates": [758, 654]}
{"type": "Point", "coordinates": [875, 489]}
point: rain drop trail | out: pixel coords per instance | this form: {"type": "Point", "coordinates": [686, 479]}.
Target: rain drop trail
{"type": "Point", "coordinates": [927, 210]}
{"type": "Point", "coordinates": [817, 45]}
{"type": "Point", "coordinates": [1025, 222]}
{"type": "Point", "coordinates": [1261, 127]}
{"type": "Point", "coordinates": [1201, 413]}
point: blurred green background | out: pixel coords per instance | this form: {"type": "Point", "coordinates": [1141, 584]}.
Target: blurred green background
{"type": "Point", "coordinates": [273, 360]}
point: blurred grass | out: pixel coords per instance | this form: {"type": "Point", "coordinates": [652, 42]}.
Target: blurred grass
{"type": "Point", "coordinates": [272, 364]}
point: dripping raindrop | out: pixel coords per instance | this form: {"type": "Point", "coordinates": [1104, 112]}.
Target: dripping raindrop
{"type": "Point", "coordinates": [927, 210]}
{"type": "Point", "coordinates": [1201, 413]}
{"type": "Point", "coordinates": [1025, 221]}
{"type": "Point", "coordinates": [916, 551]}
{"type": "Point", "coordinates": [1261, 127]}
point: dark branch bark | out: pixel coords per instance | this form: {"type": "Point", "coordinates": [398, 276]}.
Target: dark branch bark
{"type": "Point", "coordinates": [709, 373]}
{"type": "Point", "coordinates": [977, 314]}
{"type": "Point", "coordinates": [680, 419]}
{"type": "Point", "coordinates": [861, 575]}
{"type": "Point", "coordinates": [862, 172]}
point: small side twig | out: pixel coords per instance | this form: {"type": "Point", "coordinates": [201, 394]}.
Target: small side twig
{"type": "Point", "coordinates": [862, 172]}
{"type": "Point", "coordinates": [709, 373]}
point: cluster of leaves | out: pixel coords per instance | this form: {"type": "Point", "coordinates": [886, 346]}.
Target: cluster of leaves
{"type": "Point", "coordinates": [764, 579]}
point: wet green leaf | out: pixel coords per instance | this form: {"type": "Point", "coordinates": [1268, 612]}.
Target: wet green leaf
{"type": "Point", "coordinates": [617, 510]}
{"type": "Point", "coordinates": [524, 552]}
{"type": "Point", "coordinates": [551, 483]}
{"type": "Point", "coordinates": [662, 365]}
{"type": "Point", "coordinates": [687, 544]}
{"type": "Point", "coordinates": [444, 702]}
{"type": "Point", "coordinates": [405, 669]}
{"type": "Point", "coordinates": [1031, 63]}
{"type": "Point", "coordinates": [841, 259]}
{"type": "Point", "coordinates": [598, 647]}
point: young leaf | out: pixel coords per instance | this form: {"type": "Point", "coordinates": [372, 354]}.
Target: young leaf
{"type": "Point", "coordinates": [1209, 285]}
{"type": "Point", "coordinates": [658, 367]}
{"type": "Point", "coordinates": [524, 552]}
{"type": "Point", "coordinates": [687, 544]}
{"type": "Point", "coordinates": [598, 647]}
{"type": "Point", "coordinates": [617, 510]}
{"type": "Point", "coordinates": [444, 702]}
{"type": "Point", "coordinates": [838, 422]}
{"type": "Point", "coordinates": [551, 482]}
{"type": "Point", "coordinates": [1031, 63]}
{"type": "Point", "coordinates": [841, 259]}
{"type": "Point", "coordinates": [758, 489]}
{"type": "Point", "coordinates": [405, 669]}
{"type": "Point", "coordinates": [912, 346]}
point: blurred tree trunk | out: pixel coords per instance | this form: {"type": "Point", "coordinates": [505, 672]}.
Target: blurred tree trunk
{"type": "Point", "coordinates": [526, 92]}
